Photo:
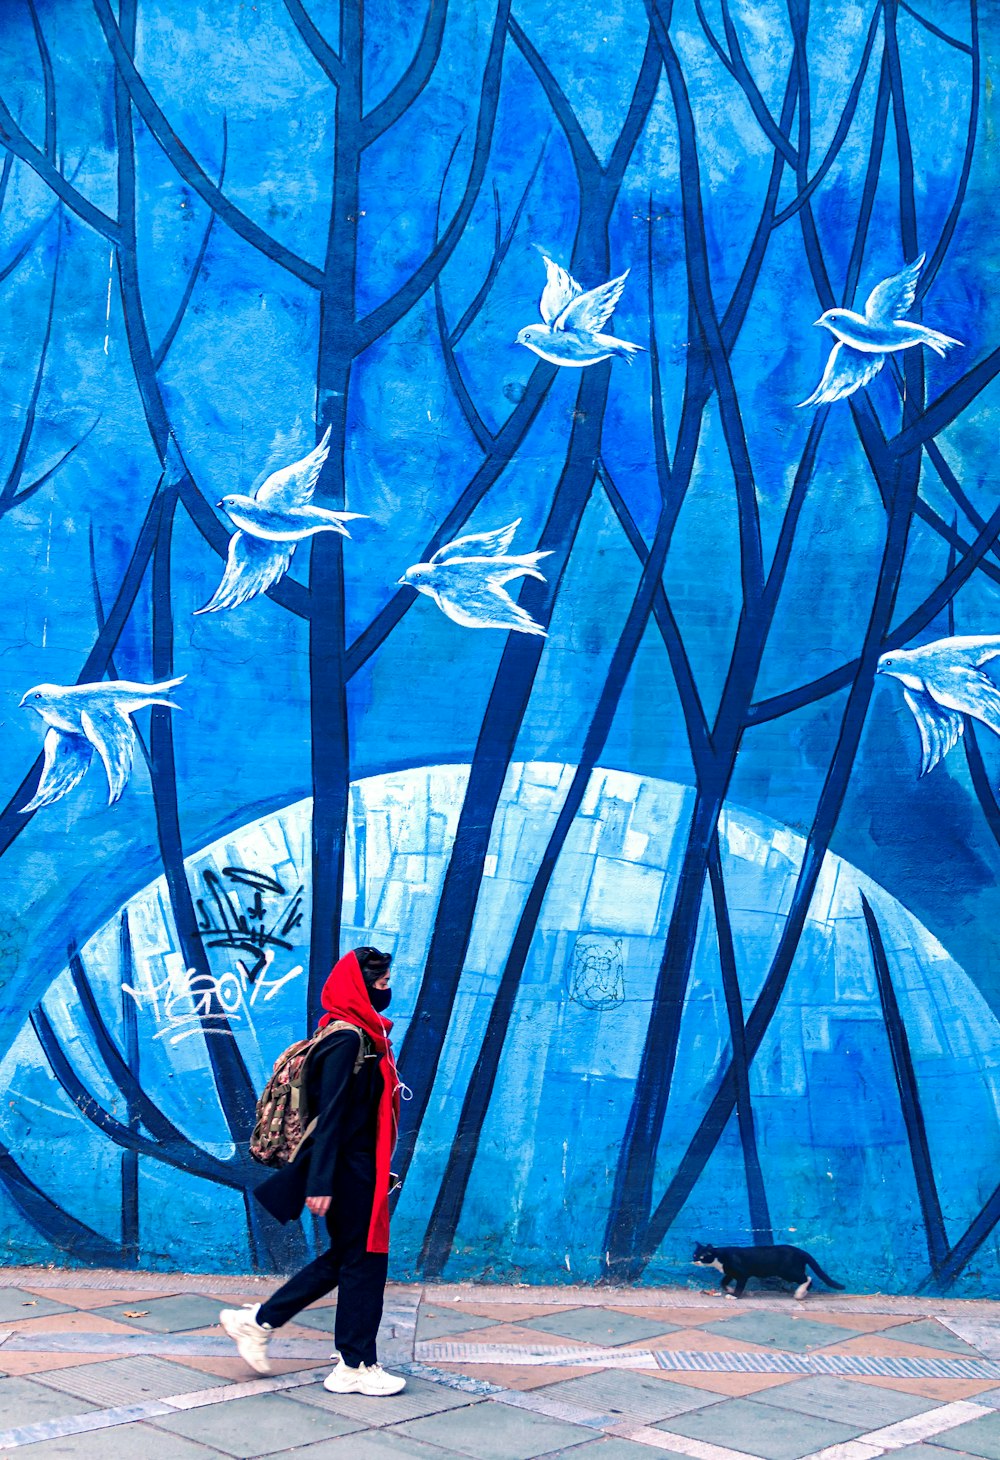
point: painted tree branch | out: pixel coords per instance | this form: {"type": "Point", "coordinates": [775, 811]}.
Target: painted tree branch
{"type": "Point", "coordinates": [65, 1232]}
{"type": "Point", "coordinates": [700, 292]}
{"type": "Point", "coordinates": [511, 689]}
{"type": "Point", "coordinates": [843, 126]}
{"type": "Point", "coordinates": [18, 144]}
{"type": "Point", "coordinates": [442, 1226]}
{"type": "Point", "coordinates": [413, 80]}
{"type": "Point", "coordinates": [387, 314]}
{"type": "Point", "coordinates": [319, 47]}
{"type": "Point", "coordinates": [930, 270]}
{"type": "Point", "coordinates": [935, 30]}
{"type": "Point", "coordinates": [48, 82]}
{"type": "Point", "coordinates": [26, 493]}
{"type": "Point", "coordinates": [170, 334]}
{"type": "Point", "coordinates": [9, 490]}
{"type": "Point", "coordinates": [184, 164]}
{"type": "Point", "coordinates": [186, 1157]}
{"type": "Point", "coordinates": [760, 1217]}
{"type": "Point", "coordinates": [909, 1095]}
{"type": "Point", "coordinates": [237, 1097]}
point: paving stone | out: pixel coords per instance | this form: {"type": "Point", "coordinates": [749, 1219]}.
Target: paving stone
{"type": "Point", "coordinates": [16, 1306]}
{"type": "Point", "coordinates": [322, 1319]}
{"type": "Point", "coordinates": [128, 1381]}
{"type": "Point", "coordinates": [27, 1402]}
{"type": "Point", "coordinates": [417, 1399]}
{"type": "Point", "coordinates": [599, 1326]}
{"type": "Point", "coordinates": [495, 1431]}
{"type": "Point", "coordinates": [176, 1314]}
{"type": "Point", "coordinates": [932, 1334]}
{"type": "Point", "coordinates": [839, 1399]}
{"type": "Point", "coordinates": [796, 1335]}
{"type": "Point", "coordinates": [120, 1442]}
{"type": "Point", "coordinates": [625, 1392]}
{"type": "Point", "coordinates": [758, 1429]}
{"type": "Point", "coordinates": [924, 1452]}
{"type": "Point", "coordinates": [435, 1322]}
{"type": "Point", "coordinates": [262, 1424]}
{"type": "Point", "coordinates": [977, 1437]}
{"type": "Point", "coordinates": [614, 1449]}
{"type": "Point", "coordinates": [386, 1445]}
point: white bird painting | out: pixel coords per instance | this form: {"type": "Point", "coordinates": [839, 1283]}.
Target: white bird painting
{"type": "Point", "coordinates": [83, 718]}
{"type": "Point", "coordinates": [466, 579]}
{"type": "Point", "coordinates": [864, 340]}
{"type": "Point", "coordinates": [942, 683]}
{"type": "Point", "coordinates": [573, 320]}
{"type": "Point", "coordinates": [270, 525]}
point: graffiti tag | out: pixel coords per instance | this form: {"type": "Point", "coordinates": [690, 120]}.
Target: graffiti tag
{"type": "Point", "coordinates": [188, 1002]}
{"type": "Point", "coordinates": [598, 976]}
{"type": "Point", "coordinates": [251, 915]}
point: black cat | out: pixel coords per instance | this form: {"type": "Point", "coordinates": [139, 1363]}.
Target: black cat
{"type": "Point", "coordinates": [737, 1264]}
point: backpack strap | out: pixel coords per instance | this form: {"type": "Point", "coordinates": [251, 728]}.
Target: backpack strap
{"type": "Point", "coordinates": [366, 1050]}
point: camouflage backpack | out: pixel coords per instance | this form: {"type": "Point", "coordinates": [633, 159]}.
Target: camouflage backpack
{"type": "Point", "coordinates": [283, 1118]}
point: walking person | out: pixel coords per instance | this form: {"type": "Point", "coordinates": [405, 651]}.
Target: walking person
{"type": "Point", "coordinates": [340, 1173]}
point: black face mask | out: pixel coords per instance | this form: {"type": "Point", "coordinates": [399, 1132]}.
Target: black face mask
{"type": "Point", "coordinates": [381, 999]}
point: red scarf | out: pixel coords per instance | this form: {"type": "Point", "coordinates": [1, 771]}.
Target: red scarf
{"type": "Point", "coordinates": [346, 997]}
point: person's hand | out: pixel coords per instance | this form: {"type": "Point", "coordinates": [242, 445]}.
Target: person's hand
{"type": "Point", "coordinates": [319, 1205]}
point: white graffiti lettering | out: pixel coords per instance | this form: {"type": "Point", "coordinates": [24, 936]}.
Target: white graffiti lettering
{"type": "Point", "coordinates": [187, 1003]}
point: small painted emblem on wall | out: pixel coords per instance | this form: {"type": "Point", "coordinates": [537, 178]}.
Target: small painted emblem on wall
{"type": "Point", "coordinates": [597, 976]}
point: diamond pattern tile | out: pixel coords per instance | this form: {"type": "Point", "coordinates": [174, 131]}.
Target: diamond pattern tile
{"type": "Point", "coordinates": [626, 1392]}
{"type": "Point", "coordinates": [796, 1335]}
{"type": "Point", "coordinates": [925, 1452]}
{"type": "Point", "coordinates": [847, 1402]}
{"type": "Point", "coordinates": [758, 1429]}
{"type": "Point", "coordinates": [599, 1326]}
{"type": "Point", "coordinates": [932, 1333]}
{"type": "Point", "coordinates": [321, 1319]}
{"type": "Point", "coordinates": [262, 1424]}
{"type": "Point", "coordinates": [435, 1322]}
{"type": "Point", "coordinates": [495, 1432]}
{"type": "Point", "coordinates": [16, 1306]}
{"type": "Point", "coordinates": [978, 1437]}
{"type": "Point", "coordinates": [121, 1442]}
{"type": "Point", "coordinates": [615, 1449]}
{"type": "Point", "coordinates": [27, 1402]}
{"type": "Point", "coordinates": [417, 1399]}
{"type": "Point", "coordinates": [175, 1314]}
{"type": "Point", "coordinates": [379, 1445]}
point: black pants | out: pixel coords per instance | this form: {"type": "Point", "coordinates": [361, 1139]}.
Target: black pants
{"type": "Point", "coordinates": [359, 1276]}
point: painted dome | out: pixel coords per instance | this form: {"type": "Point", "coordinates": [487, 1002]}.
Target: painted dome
{"type": "Point", "coordinates": [837, 1169]}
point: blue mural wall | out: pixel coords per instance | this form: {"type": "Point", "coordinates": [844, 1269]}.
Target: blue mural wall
{"type": "Point", "coordinates": [519, 489]}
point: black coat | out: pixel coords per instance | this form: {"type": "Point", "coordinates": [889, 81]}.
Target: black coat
{"type": "Point", "coordinates": [338, 1159]}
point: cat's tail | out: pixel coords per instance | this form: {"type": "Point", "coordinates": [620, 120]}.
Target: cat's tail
{"type": "Point", "coordinates": [811, 1262]}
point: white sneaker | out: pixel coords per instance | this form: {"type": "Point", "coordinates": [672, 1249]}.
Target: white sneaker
{"type": "Point", "coordinates": [365, 1379]}
{"type": "Point", "coordinates": [249, 1336]}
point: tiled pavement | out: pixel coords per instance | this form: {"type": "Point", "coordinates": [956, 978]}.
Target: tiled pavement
{"type": "Point", "coordinates": [100, 1365]}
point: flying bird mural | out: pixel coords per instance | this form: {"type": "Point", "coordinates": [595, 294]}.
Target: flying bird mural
{"type": "Point", "coordinates": [270, 525]}
{"type": "Point", "coordinates": [943, 682]}
{"type": "Point", "coordinates": [83, 718]}
{"type": "Point", "coordinates": [573, 320]}
{"type": "Point", "coordinates": [466, 580]}
{"type": "Point", "coordinates": [864, 340]}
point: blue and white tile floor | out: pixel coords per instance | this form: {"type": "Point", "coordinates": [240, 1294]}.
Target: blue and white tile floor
{"type": "Point", "coordinates": [100, 1365]}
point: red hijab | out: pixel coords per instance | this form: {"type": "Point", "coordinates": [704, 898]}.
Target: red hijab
{"type": "Point", "coordinates": [345, 996]}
